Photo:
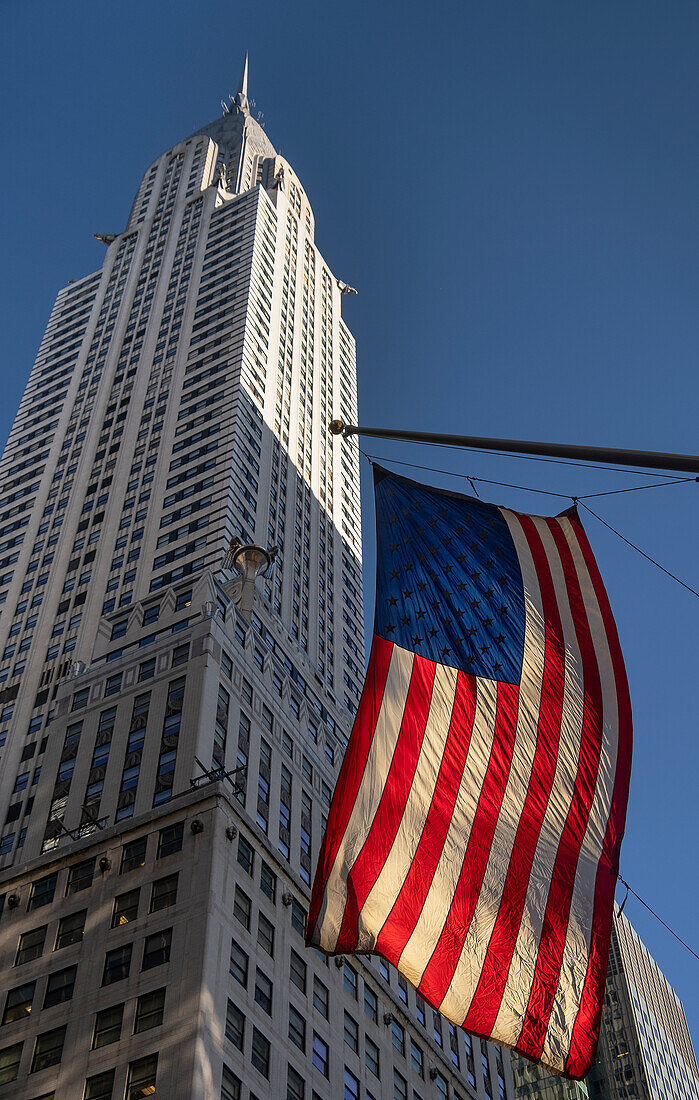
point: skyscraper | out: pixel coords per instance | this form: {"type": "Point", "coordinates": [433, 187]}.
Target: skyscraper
{"type": "Point", "coordinates": [170, 733]}
{"type": "Point", "coordinates": [645, 1049]}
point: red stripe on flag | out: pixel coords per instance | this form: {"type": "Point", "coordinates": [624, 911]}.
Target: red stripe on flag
{"type": "Point", "coordinates": [401, 921]}
{"type": "Point", "coordinates": [555, 924]}
{"type": "Point", "coordinates": [377, 846]}
{"type": "Point", "coordinates": [586, 1027]}
{"type": "Point", "coordinates": [440, 969]}
{"type": "Point", "coordinates": [491, 984]}
{"type": "Point", "coordinates": [351, 772]}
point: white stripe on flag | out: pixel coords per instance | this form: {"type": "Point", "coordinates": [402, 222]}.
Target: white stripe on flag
{"type": "Point", "coordinates": [519, 981]}
{"type": "Point", "coordinates": [418, 950]}
{"type": "Point", "coordinates": [366, 804]}
{"type": "Point", "coordinates": [577, 946]}
{"type": "Point", "coordinates": [388, 884]}
{"type": "Point", "coordinates": [462, 987]}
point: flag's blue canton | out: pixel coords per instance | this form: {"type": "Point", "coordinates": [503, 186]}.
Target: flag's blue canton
{"type": "Point", "coordinates": [449, 584]}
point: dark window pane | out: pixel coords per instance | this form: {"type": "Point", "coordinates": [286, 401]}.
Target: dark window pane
{"type": "Point", "coordinates": [70, 929]}
{"type": "Point", "coordinates": [133, 855]}
{"type": "Point", "coordinates": [31, 945]}
{"type": "Point", "coordinates": [117, 964]}
{"type": "Point", "coordinates": [170, 840]}
{"type": "Point", "coordinates": [156, 949]}
{"type": "Point", "coordinates": [100, 1086]}
{"type": "Point", "coordinates": [59, 987]}
{"type": "Point", "coordinates": [164, 893]}
{"type": "Point", "coordinates": [149, 1010]}
{"type": "Point", "coordinates": [80, 876]}
{"type": "Point", "coordinates": [48, 1049]}
{"type": "Point", "coordinates": [18, 1003]}
{"type": "Point", "coordinates": [9, 1063]}
{"type": "Point", "coordinates": [141, 1079]}
{"type": "Point", "coordinates": [43, 891]}
{"type": "Point", "coordinates": [125, 908]}
{"type": "Point", "coordinates": [235, 1025]}
{"type": "Point", "coordinates": [107, 1026]}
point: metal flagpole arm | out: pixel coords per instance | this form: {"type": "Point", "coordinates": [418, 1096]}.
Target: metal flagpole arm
{"type": "Point", "coordinates": [612, 456]}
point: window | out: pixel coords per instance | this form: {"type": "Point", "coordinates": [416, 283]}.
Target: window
{"type": "Point", "coordinates": [441, 1087]}
{"type": "Point", "coordinates": [31, 945]}
{"type": "Point", "coordinates": [141, 1079]}
{"type": "Point", "coordinates": [100, 1086]}
{"type": "Point", "coordinates": [48, 1049]}
{"type": "Point", "coordinates": [349, 977]}
{"type": "Point", "coordinates": [298, 918]}
{"type": "Point", "coordinates": [180, 655]}
{"type": "Point", "coordinates": [321, 997]}
{"type": "Point", "coordinates": [265, 934]}
{"type": "Point", "coordinates": [183, 599]}
{"type": "Point", "coordinates": [400, 1086]}
{"type": "Point", "coordinates": [351, 1032]}
{"type": "Point", "coordinates": [119, 629]}
{"type": "Point", "coordinates": [320, 1054]}
{"type": "Point", "coordinates": [9, 1063]}
{"type": "Point", "coordinates": [263, 991]}
{"type": "Point", "coordinates": [295, 1085]}
{"type": "Point", "coordinates": [371, 1004]}
{"type": "Point", "coordinates": [268, 882]}
{"type": "Point", "coordinates": [43, 891]}
{"type": "Point", "coordinates": [402, 989]}
{"type": "Point", "coordinates": [242, 907]}
{"type": "Point", "coordinates": [80, 876]}
{"type": "Point", "coordinates": [156, 949]}
{"type": "Point", "coordinates": [125, 908]}
{"type": "Point", "coordinates": [146, 670]}
{"type": "Point", "coordinates": [70, 929]}
{"type": "Point", "coordinates": [420, 1009]}
{"type": "Point", "coordinates": [239, 964]}
{"type": "Point", "coordinates": [297, 971]}
{"type": "Point", "coordinates": [398, 1037]}
{"type": "Point", "coordinates": [80, 698]}
{"type": "Point", "coordinates": [235, 1025]}
{"type": "Point", "coordinates": [149, 1010]}
{"type": "Point", "coordinates": [260, 1052]}
{"type": "Point", "coordinates": [150, 614]}
{"type": "Point", "coordinates": [351, 1086]}
{"type": "Point", "coordinates": [117, 964]}
{"type": "Point", "coordinates": [112, 684]}
{"type": "Point", "coordinates": [371, 1056]}
{"type": "Point", "coordinates": [164, 893]}
{"type": "Point", "coordinates": [437, 1029]}
{"type": "Point", "coordinates": [297, 1028]}
{"type": "Point", "coordinates": [60, 986]}
{"type": "Point", "coordinates": [107, 1026]}
{"type": "Point", "coordinates": [170, 840]}
{"type": "Point", "coordinates": [18, 1002]}
{"type": "Point", "coordinates": [133, 855]}
{"type": "Point", "coordinates": [246, 855]}
{"type": "Point", "coordinates": [416, 1058]}
{"type": "Point", "coordinates": [230, 1085]}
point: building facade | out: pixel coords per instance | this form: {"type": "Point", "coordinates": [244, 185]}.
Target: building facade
{"type": "Point", "coordinates": [534, 1082]}
{"type": "Point", "coordinates": [171, 729]}
{"type": "Point", "coordinates": [645, 1050]}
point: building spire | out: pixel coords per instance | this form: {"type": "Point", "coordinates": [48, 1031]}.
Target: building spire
{"type": "Point", "coordinates": [243, 82]}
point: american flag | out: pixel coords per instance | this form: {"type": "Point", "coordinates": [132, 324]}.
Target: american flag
{"type": "Point", "coordinates": [473, 838]}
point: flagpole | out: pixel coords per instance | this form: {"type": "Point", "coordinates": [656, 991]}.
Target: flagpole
{"type": "Point", "coordinates": [612, 456]}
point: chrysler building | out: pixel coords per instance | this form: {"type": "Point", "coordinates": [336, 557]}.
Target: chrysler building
{"type": "Point", "coordinates": [181, 630]}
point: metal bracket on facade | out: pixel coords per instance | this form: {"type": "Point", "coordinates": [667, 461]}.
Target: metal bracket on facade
{"type": "Point", "coordinates": [219, 775]}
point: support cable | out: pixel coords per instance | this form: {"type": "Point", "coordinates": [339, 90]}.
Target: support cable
{"type": "Point", "coordinates": [657, 917]}
{"type": "Point", "coordinates": [636, 548]}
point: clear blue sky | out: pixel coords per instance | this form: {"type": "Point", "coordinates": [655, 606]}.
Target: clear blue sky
{"type": "Point", "coordinates": [514, 190]}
